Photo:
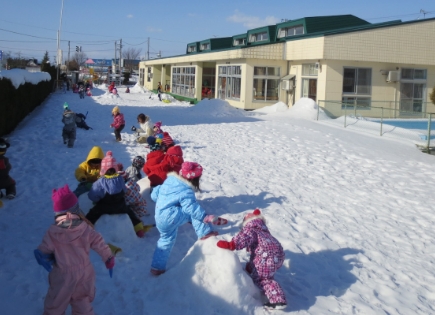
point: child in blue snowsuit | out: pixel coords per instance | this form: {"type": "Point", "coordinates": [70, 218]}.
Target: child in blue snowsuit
{"type": "Point", "coordinates": [176, 205]}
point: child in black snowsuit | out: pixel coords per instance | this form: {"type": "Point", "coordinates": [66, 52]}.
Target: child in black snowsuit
{"type": "Point", "coordinates": [6, 182]}
{"type": "Point", "coordinates": [69, 119]}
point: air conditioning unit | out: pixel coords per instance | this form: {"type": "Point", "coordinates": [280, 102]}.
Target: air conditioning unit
{"type": "Point", "coordinates": [393, 76]}
{"type": "Point", "coordinates": [285, 85]}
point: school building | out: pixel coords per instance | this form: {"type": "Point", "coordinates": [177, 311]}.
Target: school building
{"type": "Point", "coordinates": [334, 60]}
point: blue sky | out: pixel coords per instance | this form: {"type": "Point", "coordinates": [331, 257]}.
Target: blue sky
{"type": "Point", "coordinates": [29, 28]}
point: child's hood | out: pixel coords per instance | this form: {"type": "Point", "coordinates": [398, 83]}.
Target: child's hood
{"type": "Point", "coordinates": [256, 223]}
{"type": "Point", "coordinates": [95, 153]}
{"type": "Point", "coordinates": [67, 236]}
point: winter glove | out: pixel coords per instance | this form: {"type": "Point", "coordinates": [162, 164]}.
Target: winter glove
{"type": "Point", "coordinates": [110, 263]}
{"type": "Point", "coordinates": [215, 220]}
{"type": "Point", "coordinates": [45, 260]}
{"type": "Point", "coordinates": [226, 245]}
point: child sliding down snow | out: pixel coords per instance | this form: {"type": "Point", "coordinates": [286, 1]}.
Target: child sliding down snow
{"type": "Point", "coordinates": [66, 245]}
{"type": "Point", "coordinates": [267, 256]}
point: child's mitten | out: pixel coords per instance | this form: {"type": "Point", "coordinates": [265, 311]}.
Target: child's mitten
{"type": "Point", "coordinates": [110, 263]}
{"type": "Point", "coordinates": [45, 260]}
{"type": "Point", "coordinates": [226, 245]}
{"type": "Point", "coordinates": [215, 220]}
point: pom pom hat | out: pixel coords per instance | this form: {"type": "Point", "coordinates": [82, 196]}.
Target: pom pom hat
{"type": "Point", "coordinates": [109, 162]}
{"type": "Point", "coordinates": [64, 200]}
{"type": "Point", "coordinates": [190, 170]}
{"type": "Point", "coordinates": [256, 214]}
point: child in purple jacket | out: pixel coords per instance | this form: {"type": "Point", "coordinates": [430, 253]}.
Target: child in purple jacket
{"type": "Point", "coordinates": [266, 258]}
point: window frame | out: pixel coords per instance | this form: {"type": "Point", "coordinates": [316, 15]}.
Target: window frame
{"type": "Point", "coordinates": [417, 83]}
{"type": "Point", "coordinates": [266, 77]}
{"type": "Point", "coordinates": [232, 76]}
{"type": "Point", "coordinates": [350, 99]}
{"type": "Point", "coordinates": [183, 80]}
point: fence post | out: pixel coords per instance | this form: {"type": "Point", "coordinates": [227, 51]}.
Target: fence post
{"type": "Point", "coordinates": [382, 116]}
{"type": "Point", "coordinates": [318, 109]}
{"type": "Point", "coordinates": [345, 113]}
{"type": "Point", "coordinates": [428, 132]}
{"type": "Point", "coordinates": [354, 110]}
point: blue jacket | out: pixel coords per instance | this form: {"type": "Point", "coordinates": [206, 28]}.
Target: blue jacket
{"type": "Point", "coordinates": [110, 185]}
{"type": "Point", "coordinates": [176, 195]}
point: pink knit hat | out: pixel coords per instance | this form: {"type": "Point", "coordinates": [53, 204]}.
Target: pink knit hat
{"type": "Point", "coordinates": [64, 200]}
{"type": "Point", "coordinates": [109, 162]}
{"type": "Point", "coordinates": [190, 170]}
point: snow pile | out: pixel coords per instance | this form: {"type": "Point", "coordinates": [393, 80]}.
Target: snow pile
{"type": "Point", "coordinates": [306, 108]}
{"type": "Point", "coordinates": [137, 89]}
{"type": "Point", "coordinates": [20, 76]}
{"type": "Point", "coordinates": [278, 107]}
{"type": "Point", "coordinates": [217, 108]}
{"type": "Point", "coordinates": [206, 273]}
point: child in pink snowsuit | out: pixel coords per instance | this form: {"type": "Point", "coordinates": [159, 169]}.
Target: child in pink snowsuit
{"type": "Point", "coordinates": [68, 242]}
{"type": "Point", "coordinates": [266, 258]}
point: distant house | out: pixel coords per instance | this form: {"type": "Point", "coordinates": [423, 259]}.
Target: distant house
{"type": "Point", "coordinates": [334, 60]}
{"type": "Point", "coordinates": [32, 66]}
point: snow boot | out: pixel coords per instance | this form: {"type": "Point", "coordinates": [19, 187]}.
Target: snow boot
{"type": "Point", "coordinates": [157, 272]}
{"type": "Point", "coordinates": [115, 249]}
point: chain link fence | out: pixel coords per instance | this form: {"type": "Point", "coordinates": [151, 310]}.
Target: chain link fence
{"type": "Point", "coordinates": [384, 115]}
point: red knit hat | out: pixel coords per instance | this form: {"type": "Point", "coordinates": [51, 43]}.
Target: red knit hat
{"type": "Point", "coordinates": [64, 200]}
{"type": "Point", "coordinates": [108, 162]}
{"type": "Point", "coordinates": [190, 170]}
{"type": "Point", "coordinates": [175, 150]}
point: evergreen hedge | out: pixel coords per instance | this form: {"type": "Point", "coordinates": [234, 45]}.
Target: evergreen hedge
{"type": "Point", "coordinates": [15, 104]}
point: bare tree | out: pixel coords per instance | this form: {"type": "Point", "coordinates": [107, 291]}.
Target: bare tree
{"type": "Point", "coordinates": [79, 58]}
{"type": "Point", "coordinates": [131, 53]}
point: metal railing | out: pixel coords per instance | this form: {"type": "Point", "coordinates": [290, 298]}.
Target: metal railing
{"type": "Point", "coordinates": [336, 109]}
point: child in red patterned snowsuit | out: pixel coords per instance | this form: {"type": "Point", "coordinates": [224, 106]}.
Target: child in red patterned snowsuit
{"type": "Point", "coordinates": [267, 256]}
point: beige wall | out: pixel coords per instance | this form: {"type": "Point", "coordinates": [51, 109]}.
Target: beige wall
{"type": "Point", "coordinates": [409, 43]}
{"type": "Point", "coordinates": [306, 49]}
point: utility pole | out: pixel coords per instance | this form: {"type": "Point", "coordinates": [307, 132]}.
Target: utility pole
{"type": "Point", "coordinates": [67, 67]}
{"type": "Point", "coordinates": [148, 50]}
{"type": "Point", "coordinates": [120, 55]}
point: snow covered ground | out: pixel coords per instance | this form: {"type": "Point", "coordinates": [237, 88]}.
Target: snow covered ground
{"type": "Point", "coordinates": [353, 211]}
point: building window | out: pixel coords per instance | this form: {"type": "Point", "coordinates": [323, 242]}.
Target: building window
{"type": "Point", "coordinates": [149, 75]}
{"type": "Point", "coordinates": [208, 83]}
{"type": "Point", "coordinates": [412, 89]}
{"type": "Point", "coordinates": [291, 31]}
{"type": "Point", "coordinates": [183, 81]}
{"type": "Point", "coordinates": [230, 82]}
{"type": "Point", "coordinates": [266, 83]}
{"type": "Point", "coordinates": [309, 70]}
{"type": "Point", "coordinates": [205, 46]}
{"type": "Point", "coordinates": [259, 37]}
{"type": "Point", "coordinates": [240, 41]}
{"type": "Point", "coordinates": [357, 87]}
{"type": "Point", "coordinates": [191, 49]}
{"type": "Point", "coordinates": [141, 76]}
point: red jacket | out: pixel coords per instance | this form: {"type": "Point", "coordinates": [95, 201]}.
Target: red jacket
{"type": "Point", "coordinates": [118, 121]}
{"type": "Point", "coordinates": [171, 162]}
{"type": "Point", "coordinates": [151, 167]}
{"type": "Point", "coordinates": [168, 140]}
